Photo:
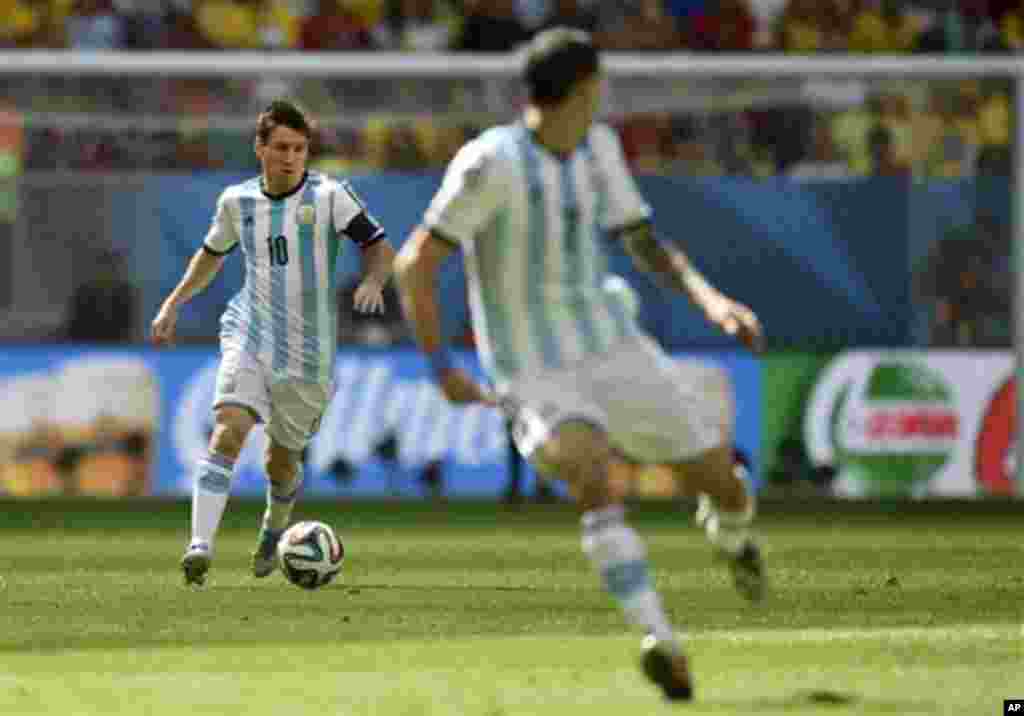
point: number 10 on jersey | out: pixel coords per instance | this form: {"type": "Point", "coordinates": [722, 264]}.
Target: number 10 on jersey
{"type": "Point", "coordinates": [277, 248]}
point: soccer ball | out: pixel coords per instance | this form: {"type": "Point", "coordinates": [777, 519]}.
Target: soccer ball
{"type": "Point", "coordinates": [310, 554]}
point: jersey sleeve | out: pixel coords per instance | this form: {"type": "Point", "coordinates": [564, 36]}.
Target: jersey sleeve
{"type": "Point", "coordinates": [468, 197]}
{"type": "Point", "coordinates": [222, 236]}
{"type": "Point", "coordinates": [625, 205]}
{"type": "Point", "coordinates": [351, 215]}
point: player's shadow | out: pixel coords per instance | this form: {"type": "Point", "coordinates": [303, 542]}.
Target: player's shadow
{"type": "Point", "coordinates": [822, 700]}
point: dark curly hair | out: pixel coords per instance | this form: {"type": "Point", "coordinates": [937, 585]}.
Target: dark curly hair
{"type": "Point", "coordinates": [283, 113]}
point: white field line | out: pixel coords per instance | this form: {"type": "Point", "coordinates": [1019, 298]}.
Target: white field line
{"type": "Point", "coordinates": [822, 635]}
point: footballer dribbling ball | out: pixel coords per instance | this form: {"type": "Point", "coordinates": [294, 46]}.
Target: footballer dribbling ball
{"type": "Point", "coordinates": [311, 554]}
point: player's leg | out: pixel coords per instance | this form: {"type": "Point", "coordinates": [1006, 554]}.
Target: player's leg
{"type": "Point", "coordinates": [726, 510]}
{"type": "Point", "coordinates": [296, 409]}
{"type": "Point", "coordinates": [680, 415]}
{"type": "Point", "coordinates": [726, 506]}
{"type": "Point", "coordinates": [214, 473]}
{"type": "Point", "coordinates": [284, 478]}
{"type": "Point", "coordinates": [578, 452]}
{"type": "Point", "coordinates": [240, 401]}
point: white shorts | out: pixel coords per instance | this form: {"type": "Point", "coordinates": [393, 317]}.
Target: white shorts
{"type": "Point", "coordinates": [290, 408]}
{"type": "Point", "coordinates": [654, 409]}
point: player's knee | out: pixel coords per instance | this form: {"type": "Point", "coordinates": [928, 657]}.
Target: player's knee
{"type": "Point", "coordinates": [230, 431]}
{"type": "Point", "coordinates": [282, 465]}
{"type": "Point", "coordinates": [577, 451]}
{"type": "Point", "coordinates": [714, 473]}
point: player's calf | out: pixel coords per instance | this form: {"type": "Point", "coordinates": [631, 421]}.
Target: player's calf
{"type": "Point", "coordinates": [280, 501]}
{"type": "Point", "coordinates": [284, 476]}
{"type": "Point", "coordinates": [284, 480]}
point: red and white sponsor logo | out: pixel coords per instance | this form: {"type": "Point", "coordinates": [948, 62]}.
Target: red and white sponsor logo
{"type": "Point", "coordinates": [975, 429]}
{"type": "Point", "coordinates": [995, 451]}
{"type": "Point", "coordinates": [899, 426]}
{"type": "Point", "coordinates": [909, 423]}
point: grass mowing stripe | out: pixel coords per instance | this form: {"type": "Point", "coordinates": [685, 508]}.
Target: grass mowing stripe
{"type": "Point", "coordinates": [211, 658]}
{"type": "Point", "coordinates": [498, 614]}
{"type": "Point", "coordinates": [540, 676]}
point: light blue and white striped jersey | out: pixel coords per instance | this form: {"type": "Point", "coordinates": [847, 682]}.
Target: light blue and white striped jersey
{"type": "Point", "coordinates": [286, 313]}
{"type": "Point", "coordinates": [531, 226]}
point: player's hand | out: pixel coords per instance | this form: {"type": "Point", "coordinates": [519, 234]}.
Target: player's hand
{"type": "Point", "coordinates": [164, 324]}
{"type": "Point", "coordinates": [459, 387]}
{"type": "Point", "coordinates": [736, 320]}
{"type": "Point", "coordinates": [369, 297]}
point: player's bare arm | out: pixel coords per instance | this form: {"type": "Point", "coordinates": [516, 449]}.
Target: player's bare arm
{"type": "Point", "coordinates": [378, 261]}
{"type": "Point", "coordinates": [202, 269]}
{"type": "Point", "coordinates": [416, 269]}
{"type": "Point", "coordinates": [673, 268]}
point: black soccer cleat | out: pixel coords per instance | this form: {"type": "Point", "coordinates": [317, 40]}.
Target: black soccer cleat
{"type": "Point", "coordinates": [195, 564]}
{"type": "Point", "coordinates": [747, 569]}
{"type": "Point", "coordinates": [666, 668]}
{"type": "Point", "coordinates": [264, 559]}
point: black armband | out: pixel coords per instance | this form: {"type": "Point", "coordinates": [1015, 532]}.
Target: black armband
{"type": "Point", "coordinates": [364, 231]}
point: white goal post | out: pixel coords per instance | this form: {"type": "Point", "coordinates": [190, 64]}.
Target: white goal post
{"type": "Point", "coordinates": [389, 66]}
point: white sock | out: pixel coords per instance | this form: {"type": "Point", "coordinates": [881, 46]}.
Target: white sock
{"type": "Point", "coordinates": [730, 531]}
{"type": "Point", "coordinates": [210, 496]}
{"type": "Point", "coordinates": [619, 555]}
{"type": "Point", "coordinates": [280, 502]}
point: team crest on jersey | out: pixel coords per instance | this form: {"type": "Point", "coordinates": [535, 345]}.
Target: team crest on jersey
{"type": "Point", "coordinates": [473, 174]}
{"type": "Point", "coordinates": [307, 214]}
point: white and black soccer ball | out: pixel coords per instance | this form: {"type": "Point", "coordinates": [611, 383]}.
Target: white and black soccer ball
{"type": "Point", "coordinates": [311, 554]}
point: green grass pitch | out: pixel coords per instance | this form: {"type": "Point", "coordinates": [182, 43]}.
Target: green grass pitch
{"type": "Point", "coordinates": [468, 609]}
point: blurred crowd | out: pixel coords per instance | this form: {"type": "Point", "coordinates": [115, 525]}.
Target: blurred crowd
{"type": "Point", "coordinates": [940, 129]}
{"type": "Point", "coordinates": [799, 26]}
{"type": "Point", "coordinates": [936, 129]}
